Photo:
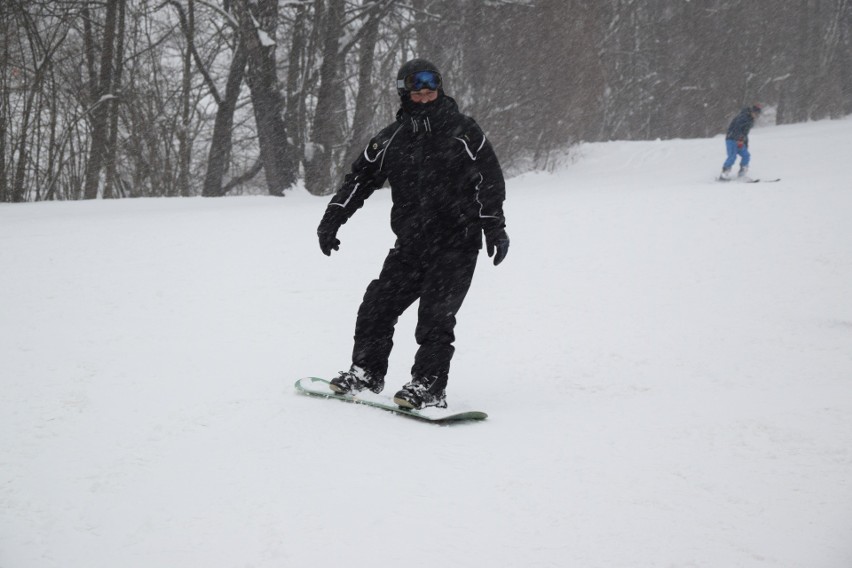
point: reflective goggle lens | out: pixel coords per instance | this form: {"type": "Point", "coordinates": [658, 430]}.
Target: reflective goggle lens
{"type": "Point", "coordinates": [423, 80]}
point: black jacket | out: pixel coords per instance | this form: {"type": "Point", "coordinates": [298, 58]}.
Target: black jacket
{"type": "Point", "coordinates": [740, 126]}
{"type": "Point", "coordinates": [446, 183]}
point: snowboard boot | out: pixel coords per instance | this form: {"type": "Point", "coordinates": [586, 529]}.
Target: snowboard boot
{"type": "Point", "coordinates": [421, 392]}
{"type": "Point", "coordinates": [355, 380]}
{"type": "Point", "coordinates": [743, 171]}
{"type": "Point", "coordinates": [726, 174]}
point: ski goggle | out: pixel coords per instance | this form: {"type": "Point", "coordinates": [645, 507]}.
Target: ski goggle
{"type": "Point", "coordinates": [421, 80]}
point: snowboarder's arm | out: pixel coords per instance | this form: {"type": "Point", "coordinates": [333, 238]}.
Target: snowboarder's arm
{"type": "Point", "coordinates": [364, 178]}
{"type": "Point", "coordinates": [489, 190]}
{"type": "Point", "coordinates": [489, 185]}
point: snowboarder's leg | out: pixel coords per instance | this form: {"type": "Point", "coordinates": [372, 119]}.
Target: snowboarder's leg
{"type": "Point", "coordinates": [444, 288]}
{"type": "Point", "coordinates": [396, 288]}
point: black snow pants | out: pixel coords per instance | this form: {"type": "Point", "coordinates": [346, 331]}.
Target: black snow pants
{"type": "Point", "coordinates": [440, 279]}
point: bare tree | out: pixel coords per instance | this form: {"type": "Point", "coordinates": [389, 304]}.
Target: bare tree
{"type": "Point", "coordinates": [111, 149]}
{"type": "Point", "coordinates": [44, 38]}
{"type": "Point", "coordinates": [5, 63]}
{"type": "Point", "coordinates": [330, 113]}
{"type": "Point", "coordinates": [220, 143]}
{"type": "Point", "coordinates": [117, 99]}
{"type": "Point", "coordinates": [297, 73]}
{"type": "Point", "coordinates": [258, 22]}
{"type": "Point", "coordinates": [365, 99]}
{"type": "Point", "coordinates": [101, 107]}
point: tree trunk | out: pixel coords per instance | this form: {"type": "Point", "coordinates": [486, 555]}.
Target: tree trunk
{"type": "Point", "coordinates": [184, 142]}
{"type": "Point", "coordinates": [3, 191]}
{"type": "Point", "coordinates": [330, 111]}
{"type": "Point", "coordinates": [364, 102]}
{"type": "Point", "coordinates": [257, 27]}
{"type": "Point", "coordinates": [4, 113]}
{"type": "Point", "coordinates": [91, 54]}
{"type": "Point", "coordinates": [220, 145]}
{"type": "Point", "coordinates": [100, 112]}
{"type": "Point", "coordinates": [111, 166]}
{"type": "Point", "coordinates": [295, 72]}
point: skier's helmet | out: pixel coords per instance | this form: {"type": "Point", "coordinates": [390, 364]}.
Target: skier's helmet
{"type": "Point", "coordinates": [757, 108]}
{"type": "Point", "coordinates": [417, 74]}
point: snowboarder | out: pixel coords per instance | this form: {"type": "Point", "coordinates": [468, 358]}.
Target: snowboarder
{"type": "Point", "coordinates": [447, 190]}
{"type": "Point", "coordinates": [736, 140]}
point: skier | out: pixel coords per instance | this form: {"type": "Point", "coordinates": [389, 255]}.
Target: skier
{"type": "Point", "coordinates": [736, 140]}
{"type": "Point", "coordinates": [447, 190]}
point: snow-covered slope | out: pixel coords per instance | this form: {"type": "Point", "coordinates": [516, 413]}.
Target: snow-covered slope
{"type": "Point", "coordinates": [666, 361]}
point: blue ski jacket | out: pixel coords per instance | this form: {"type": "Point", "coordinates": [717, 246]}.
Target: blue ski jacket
{"type": "Point", "coordinates": [740, 126]}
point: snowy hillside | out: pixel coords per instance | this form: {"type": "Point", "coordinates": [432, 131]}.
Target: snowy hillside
{"type": "Point", "coordinates": [666, 362]}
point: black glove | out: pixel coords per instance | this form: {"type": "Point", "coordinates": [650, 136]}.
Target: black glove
{"type": "Point", "coordinates": [497, 240]}
{"type": "Point", "coordinates": [327, 230]}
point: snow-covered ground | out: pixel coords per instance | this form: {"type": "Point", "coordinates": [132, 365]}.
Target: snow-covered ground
{"type": "Point", "coordinates": [666, 361]}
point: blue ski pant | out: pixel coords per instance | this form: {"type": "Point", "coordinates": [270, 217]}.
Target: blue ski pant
{"type": "Point", "coordinates": [733, 151]}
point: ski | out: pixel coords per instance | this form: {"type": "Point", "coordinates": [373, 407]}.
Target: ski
{"type": "Point", "coordinates": [748, 180]}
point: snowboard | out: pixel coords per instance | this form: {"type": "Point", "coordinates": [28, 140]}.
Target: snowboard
{"type": "Point", "coordinates": [314, 386]}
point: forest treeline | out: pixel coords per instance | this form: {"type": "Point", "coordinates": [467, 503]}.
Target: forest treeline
{"type": "Point", "coordinates": [130, 98]}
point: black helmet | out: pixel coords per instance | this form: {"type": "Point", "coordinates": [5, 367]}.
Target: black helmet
{"type": "Point", "coordinates": [407, 72]}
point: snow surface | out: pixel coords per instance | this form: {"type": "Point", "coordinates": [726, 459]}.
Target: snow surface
{"type": "Point", "coordinates": [666, 362]}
